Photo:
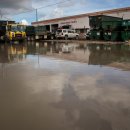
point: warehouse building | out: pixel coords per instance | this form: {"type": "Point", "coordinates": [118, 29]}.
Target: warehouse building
{"type": "Point", "coordinates": [81, 22]}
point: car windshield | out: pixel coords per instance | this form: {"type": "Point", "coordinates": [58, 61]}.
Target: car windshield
{"type": "Point", "coordinates": [59, 31]}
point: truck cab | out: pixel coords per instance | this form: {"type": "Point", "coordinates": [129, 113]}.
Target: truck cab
{"type": "Point", "coordinates": [15, 32]}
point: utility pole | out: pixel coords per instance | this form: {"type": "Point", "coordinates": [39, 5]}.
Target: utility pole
{"type": "Point", "coordinates": [36, 15]}
{"type": "Point", "coordinates": [1, 14]}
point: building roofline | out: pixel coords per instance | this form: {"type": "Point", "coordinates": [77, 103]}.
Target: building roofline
{"type": "Point", "coordinates": [83, 15]}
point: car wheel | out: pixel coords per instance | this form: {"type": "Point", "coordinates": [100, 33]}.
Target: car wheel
{"type": "Point", "coordinates": [77, 37]}
{"type": "Point", "coordinates": [52, 37]}
{"type": "Point", "coordinates": [66, 37]}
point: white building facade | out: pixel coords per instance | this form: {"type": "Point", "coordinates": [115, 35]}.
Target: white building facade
{"type": "Point", "coordinates": [81, 22]}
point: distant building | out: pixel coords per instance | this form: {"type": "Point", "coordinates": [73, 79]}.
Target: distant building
{"type": "Point", "coordinates": [81, 22]}
{"type": "Point", "coordinates": [5, 22]}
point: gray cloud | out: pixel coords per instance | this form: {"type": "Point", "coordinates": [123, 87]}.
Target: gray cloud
{"type": "Point", "coordinates": [59, 9]}
{"type": "Point", "coordinates": [67, 3]}
{"type": "Point", "coordinates": [14, 6]}
{"type": "Point", "coordinates": [56, 13]}
{"type": "Point", "coordinates": [70, 3]}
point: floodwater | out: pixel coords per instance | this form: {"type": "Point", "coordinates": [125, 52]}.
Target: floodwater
{"type": "Point", "coordinates": [43, 88]}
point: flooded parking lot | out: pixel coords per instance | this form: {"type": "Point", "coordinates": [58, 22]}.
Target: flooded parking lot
{"type": "Point", "coordinates": [64, 86]}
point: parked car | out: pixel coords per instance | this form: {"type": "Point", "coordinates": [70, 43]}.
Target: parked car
{"type": "Point", "coordinates": [67, 34]}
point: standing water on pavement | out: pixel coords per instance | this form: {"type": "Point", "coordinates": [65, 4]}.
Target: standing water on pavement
{"type": "Point", "coordinates": [64, 86]}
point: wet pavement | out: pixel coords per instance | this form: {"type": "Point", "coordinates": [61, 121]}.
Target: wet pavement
{"type": "Point", "coordinates": [44, 88]}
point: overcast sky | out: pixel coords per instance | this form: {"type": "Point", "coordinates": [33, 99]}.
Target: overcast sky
{"type": "Point", "coordinates": [69, 7]}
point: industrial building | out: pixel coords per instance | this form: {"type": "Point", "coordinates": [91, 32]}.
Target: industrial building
{"type": "Point", "coordinates": [81, 22]}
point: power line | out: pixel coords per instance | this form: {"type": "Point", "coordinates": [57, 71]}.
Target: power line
{"type": "Point", "coordinates": [53, 4]}
{"type": "Point", "coordinates": [5, 18]}
{"type": "Point", "coordinates": [42, 7]}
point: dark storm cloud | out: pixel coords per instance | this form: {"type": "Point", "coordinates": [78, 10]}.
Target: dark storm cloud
{"type": "Point", "coordinates": [15, 4]}
{"type": "Point", "coordinates": [8, 7]}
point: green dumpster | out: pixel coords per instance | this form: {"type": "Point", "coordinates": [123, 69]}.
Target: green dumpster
{"type": "Point", "coordinates": [126, 24]}
{"type": "Point", "coordinates": [97, 21]}
{"type": "Point", "coordinates": [125, 35]}
{"type": "Point", "coordinates": [107, 36]}
{"type": "Point", "coordinates": [116, 36]}
{"type": "Point", "coordinates": [112, 25]}
{"type": "Point", "coordinates": [96, 35]}
{"type": "Point", "coordinates": [93, 34]}
{"type": "Point", "coordinates": [113, 36]}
